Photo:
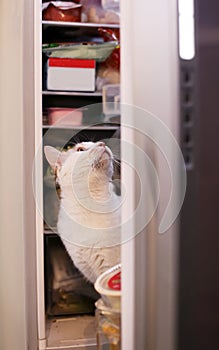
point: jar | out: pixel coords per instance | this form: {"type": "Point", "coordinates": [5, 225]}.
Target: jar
{"type": "Point", "coordinates": [108, 309]}
{"type": "Point", "coordinates": [108, 327]}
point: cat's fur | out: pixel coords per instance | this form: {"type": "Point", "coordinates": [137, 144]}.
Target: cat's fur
{"type": "Point", "coordinates": [89, 214]}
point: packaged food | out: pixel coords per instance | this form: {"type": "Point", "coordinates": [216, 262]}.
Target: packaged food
{"type": "Point", "coordinates": [95, 13]}
{"type": "Point", "coordinates": [69, 74]}
{"type": "Point", "coordinates": [86, 50]}
{"type": "Point", "coordinates": [64, 116]}
{"type": "Point", "coordinates": [61, 11]}
{"type": "Point", "coordinates": [108, 72]}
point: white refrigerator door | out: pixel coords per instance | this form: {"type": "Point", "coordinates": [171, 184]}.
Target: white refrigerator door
{"type": "Point", "coordinates": [150, 82]}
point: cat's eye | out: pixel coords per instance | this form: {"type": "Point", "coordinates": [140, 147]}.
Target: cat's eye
{"type": "Point", "coordinates": [80, 149]}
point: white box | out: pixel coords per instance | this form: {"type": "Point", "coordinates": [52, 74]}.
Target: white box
{"type": "Point", "coordinates": [67, 74]}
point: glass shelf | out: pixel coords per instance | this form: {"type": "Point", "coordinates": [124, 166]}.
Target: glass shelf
{"type": "Point", "coordinates": [79, 24]}
{"type": "Point", "coordinates": [83, 127]}
{"type": "Point", "coordinates": [71, 93]}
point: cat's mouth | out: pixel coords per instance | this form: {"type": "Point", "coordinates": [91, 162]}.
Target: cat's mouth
{"type": "Point", "coordinates": [104, 159]}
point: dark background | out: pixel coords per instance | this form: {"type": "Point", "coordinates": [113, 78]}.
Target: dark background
{"type": "Point", "coordinates": [199, 239]}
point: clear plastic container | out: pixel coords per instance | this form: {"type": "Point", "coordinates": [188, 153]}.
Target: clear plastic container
{"type": "Point", "coordinates": [112, 5]}
{"type": "Point", "coordinates": [108, 327]}
{"type": "Point", "coordinates": [108, 314]}
{"type": "Point", "coordinates": [111, 99]}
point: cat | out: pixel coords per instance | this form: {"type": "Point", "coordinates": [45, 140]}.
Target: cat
{"type": "Point", "coordinates": [89, 214]}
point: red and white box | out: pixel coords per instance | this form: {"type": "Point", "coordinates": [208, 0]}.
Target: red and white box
{"type": "Point", "coordinates": [68, 74]}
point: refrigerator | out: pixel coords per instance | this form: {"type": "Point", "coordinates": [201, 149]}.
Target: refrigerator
{"type": "Point", "coordinates": [169, 113]}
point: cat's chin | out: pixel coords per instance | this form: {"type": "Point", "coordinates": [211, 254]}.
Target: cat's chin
{"type": "Point", "coordinates": [104, 161]}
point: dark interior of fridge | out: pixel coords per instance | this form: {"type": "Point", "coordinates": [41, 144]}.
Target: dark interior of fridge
{"type": "Point", "coordinates": [199, 230]}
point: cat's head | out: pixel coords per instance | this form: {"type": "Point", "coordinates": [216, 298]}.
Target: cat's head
{"type": "Point", "coordinates": [85, 159]}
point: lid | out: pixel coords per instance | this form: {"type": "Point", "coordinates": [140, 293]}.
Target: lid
{"type": "Point", "coordinates": [101, 305]}
{"type": "Point", "coordinates": [114, 282]}
{"type": "Point", "coordinates": [108, 284]}
{"type": "Point", "coordinates": [63, 5]}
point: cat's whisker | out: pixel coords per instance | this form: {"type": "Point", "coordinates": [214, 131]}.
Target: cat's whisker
{"type": "Point", "coordinates": [116, 164]}
{"type": "Point", "coordinates": [116, 155]}
{"type": "Point", "coordinates": [85, 137]}
{"type": "Point", "coordinates": [93, 138]}
{"type": "Point", "coordinates": [76, 139]}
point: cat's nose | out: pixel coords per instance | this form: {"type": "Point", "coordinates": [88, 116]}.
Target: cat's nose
{"type": "Point", "coordinates": [101, 144]}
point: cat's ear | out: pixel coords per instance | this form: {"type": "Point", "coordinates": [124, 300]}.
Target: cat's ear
{"type": "Point", "coordinates": [53, 156]}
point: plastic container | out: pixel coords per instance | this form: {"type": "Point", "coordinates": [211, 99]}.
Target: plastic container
{"type": "Point", "coordinates": [111, 99]}
{"type": "Point", "coordinates": [64, 116]}
{"type": "Point", "coordinates": [108, 327]}
{"type": "Point", "coordinates": [108, 285]}
{"type": "Point", "coordinates": [108, 313]}
{"type": "Point", "coordinates": [113, 5]}
{"type": "Point", "coordinates": [67, 74]}
{"type": "Point", "coordinates": [95, 13]}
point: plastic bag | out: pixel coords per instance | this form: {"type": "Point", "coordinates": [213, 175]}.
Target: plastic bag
{"type": "Point", "coordinates": [109, 71]}
{"type": "Point", "coordinates": [95, 13]}
{"type": "Point", "coordinates": [99, 52]}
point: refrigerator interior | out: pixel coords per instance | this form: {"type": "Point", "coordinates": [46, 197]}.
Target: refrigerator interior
{"type": "Point", "coordinates": [66, 311]}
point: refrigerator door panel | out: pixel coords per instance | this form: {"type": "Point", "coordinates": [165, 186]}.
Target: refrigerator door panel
{"type": "Point", "coordinates": [150, 81]}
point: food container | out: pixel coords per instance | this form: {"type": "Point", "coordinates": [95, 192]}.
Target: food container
{"type": "Point", "coordinates": [95, 13]}
{"type": "Point", "coordinates": [108, 284]}
{"type": "Point", "coordinates": [61, 11]}
{"type": "Point", "coordinates": [108, 327]}
{"type": "Point", "coordinates": [64, 116]}
{"type": "Point", "coordinates": [86, 50]}
{"type": "Point", "coordinates": [111, 99]}
{"type": "Point", "coordinates": [66, 74]}
{"type": "Point", "coordinates": [108, 314]}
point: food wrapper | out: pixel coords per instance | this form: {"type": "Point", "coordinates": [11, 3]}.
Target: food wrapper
{"type": "Point", "coordinates": [99, 52]}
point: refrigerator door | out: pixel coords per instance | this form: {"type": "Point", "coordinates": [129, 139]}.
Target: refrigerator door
{"type": "Point", "coordinates": [150, 87]}
{"type": "Point", "coordinates": [18, 325]}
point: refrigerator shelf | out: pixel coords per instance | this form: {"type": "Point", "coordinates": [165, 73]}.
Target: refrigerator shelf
{"type": "Point", "coordinates": [79, 24]}
{"type": "Point", "coordinates": [83, 127]}
{"type": "Point", "coordinates": [71, 93]}
{"type": "Point", "coordinates": [76, 333]}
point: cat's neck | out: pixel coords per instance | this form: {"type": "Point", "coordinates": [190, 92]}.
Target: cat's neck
{"type": "Point", "coordinates": [97, 188]}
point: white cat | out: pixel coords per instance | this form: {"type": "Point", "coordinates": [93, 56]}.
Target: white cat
{"type": "Point", "coordinates": [89, 214]}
